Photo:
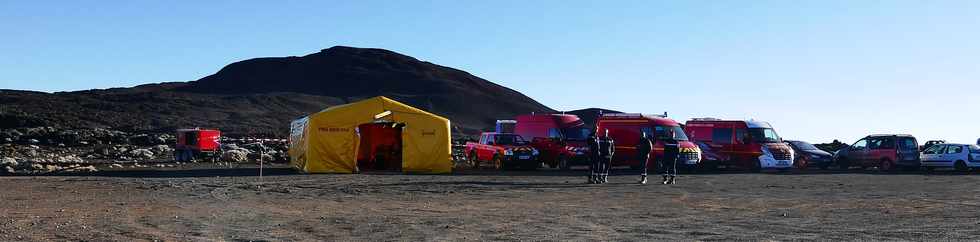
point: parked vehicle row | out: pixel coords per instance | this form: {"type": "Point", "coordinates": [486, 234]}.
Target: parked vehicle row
{"type": "Point", "coordinates": [560, 141]}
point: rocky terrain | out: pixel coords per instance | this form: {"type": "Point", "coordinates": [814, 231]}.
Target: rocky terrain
{"type": "Point", "coordinates": [49, 150]}
{"type": "Point", "coordinates": [258, 97]}
{"type": "Point", "coordinates": [207, 204]}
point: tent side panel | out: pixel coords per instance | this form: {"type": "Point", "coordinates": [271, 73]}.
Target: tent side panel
{"type": "Point", "coordinates": [426, 144]}
{"type": "Point", "coordinates": [334, 150]}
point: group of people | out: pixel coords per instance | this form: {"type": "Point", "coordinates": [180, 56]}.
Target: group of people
{"type": "Point", "coordinates": [603, 147]}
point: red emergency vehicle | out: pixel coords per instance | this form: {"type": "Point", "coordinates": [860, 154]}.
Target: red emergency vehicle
{"type": "Point", "coordinates": [502, 150]}
{"type": "Point", "coordinates": [560, 138]}
{"type": "Point", "coordinates": [748, 144]}
{"type": "Point", "coordinates": [625, 129]}
{"type": "Point", "coordinates": [194, 144]}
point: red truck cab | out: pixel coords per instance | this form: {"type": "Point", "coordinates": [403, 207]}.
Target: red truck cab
{"type": "Point", "coordinates": [502, 150]}
{"type": "Point", "coordinates": [748, 144]}
{"type": "Point", "coordinates": [560, 138]}
{"type": "Point", "coordinates": [197, 144]}
{"type": "Point", "coordinates": [625, 129]}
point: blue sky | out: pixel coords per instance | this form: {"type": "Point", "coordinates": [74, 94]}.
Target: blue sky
{"type": "Point", "coordinates": [817, 70]}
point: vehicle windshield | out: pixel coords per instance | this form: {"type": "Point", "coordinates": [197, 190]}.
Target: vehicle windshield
{"type": "Point", "coordinates": [763, 135]}
{"type": "Point", "coordinates": [804, 145]}
{"type": "Point", "coordinates": [576, 133]}
{"type": "Point", "coordinates": [663, 134]}
{"type": "Point", "coordinates": [508, 140]}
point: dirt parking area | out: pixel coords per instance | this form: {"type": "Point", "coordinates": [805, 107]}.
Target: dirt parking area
{"type": "Point", "coordinates": [234, 205]}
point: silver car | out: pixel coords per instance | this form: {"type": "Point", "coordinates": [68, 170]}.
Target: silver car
{"type": "Point", "coordinates": [961, 157]}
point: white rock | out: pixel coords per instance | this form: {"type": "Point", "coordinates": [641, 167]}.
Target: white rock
{"type": "Point", "coordinates": [86, 169]}
{"type": "Point", "coordinates": [7, 161]}
{"type": "Point", "coordinates": [141, 154]}
{"type": "Point", "coordinates": [68, 159]}
{"type": "Point", "coordinates": [161, 150]}
{"type": "Point", "coordinates": [234, 156]}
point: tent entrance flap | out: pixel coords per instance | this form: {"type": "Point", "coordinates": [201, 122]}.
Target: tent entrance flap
{"type": "Point", "coordinates": [380, 146]}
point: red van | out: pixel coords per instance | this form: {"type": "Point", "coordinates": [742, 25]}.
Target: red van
{"type": "Point", "coordinates": [625, 130]}
{"type": "Point", "coordinates": [561, 138]}
{"type": "Point", "coordinates": [885, 151]}
{"type": "Point", "coordinates": [748, 144]}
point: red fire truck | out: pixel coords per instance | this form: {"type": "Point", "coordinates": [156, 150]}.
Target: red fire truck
{"type": "Point", "coordinates": [748, 144]}
{"type": "Point", "coordinates": [197, 144]}
{"type": "Point", "coordinates": [560, 138]}
{"type": "Point", "coordinates": [626, 128]}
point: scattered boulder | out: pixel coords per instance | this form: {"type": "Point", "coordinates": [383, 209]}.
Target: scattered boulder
{"type": "Point", "coordinates": [237, 155]}
{"type": "Point", "coordinates": [69, 159]}
{"type": "Point", "coordinates": [86, 169]}
{"type": "Point", "coordinates": [161, 150]}
{"type": "Point", "coordinates": [141, 154]}
{"type": "Point", "coordinates": [8, 162]}
{"type": "Point", "coordinates": [268, 158]}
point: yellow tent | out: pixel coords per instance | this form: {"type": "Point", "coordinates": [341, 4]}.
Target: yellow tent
{"type": "Point", "coordinates": [328, 141]}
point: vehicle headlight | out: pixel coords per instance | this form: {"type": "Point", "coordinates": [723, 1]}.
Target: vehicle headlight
{"type": "Point", "coordinates": [534, 152]}
{"type": "Point", "coordinates": [508, 152]}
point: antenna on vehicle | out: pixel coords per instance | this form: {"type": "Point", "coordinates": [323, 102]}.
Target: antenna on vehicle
{"type": "Point", "coordinates": [665, 114]}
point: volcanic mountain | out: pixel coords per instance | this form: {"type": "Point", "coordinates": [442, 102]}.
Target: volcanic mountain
{"type": "Point", "coordinates": [261, 96]}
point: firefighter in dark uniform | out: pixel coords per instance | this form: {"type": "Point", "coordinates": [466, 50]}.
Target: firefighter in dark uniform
{"type": "Point", "coordinates": [643, 149]}
{"type": "Point", "coordinates": [607, 147]}
{"type": "Point", "coordinates": [593, 144]}
{"type": "Point", "coordinates": [668, 163]}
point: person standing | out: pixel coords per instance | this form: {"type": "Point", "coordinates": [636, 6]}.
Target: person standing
{"type": "Point", "coordinates": [668, 163]}
{"type": "Point", "coordinates": [593, 143]}
{"type": "Point", "coordinates": [643, 149]}
{"type": "Point", "coordinates": [607, 147]}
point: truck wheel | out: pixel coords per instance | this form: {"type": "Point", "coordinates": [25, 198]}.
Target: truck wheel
{"type": "Point", "coordinates": [961, 166]}
{"type": "Point", "coordinates": [563, 163]}
{"type": "Point", "coordinates": [498, 162]}
{"type": "Point", "coordinates": [474, 160]}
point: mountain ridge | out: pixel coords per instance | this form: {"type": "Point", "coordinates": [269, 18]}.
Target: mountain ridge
{"type": "Point", "coordinates": [261, 95]}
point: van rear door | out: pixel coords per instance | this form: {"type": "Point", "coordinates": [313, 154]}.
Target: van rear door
{"type": "Point", "coordinates": [908, 149]}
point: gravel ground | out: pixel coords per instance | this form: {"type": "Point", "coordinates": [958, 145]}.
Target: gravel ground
{"type": "Point", "coordinates": [207, 204]}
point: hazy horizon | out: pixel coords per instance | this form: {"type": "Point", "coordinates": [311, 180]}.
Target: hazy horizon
{"type": "Point", "coordinates": [816, 70]}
